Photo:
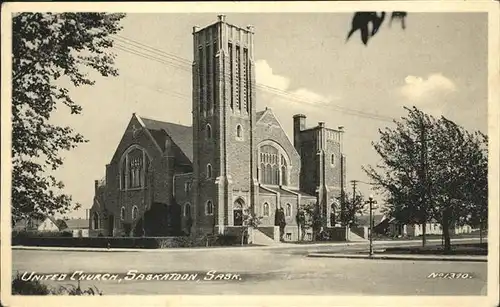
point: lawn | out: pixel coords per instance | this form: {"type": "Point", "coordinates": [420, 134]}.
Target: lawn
{"type": "Point", "coordinates": [472, 249]}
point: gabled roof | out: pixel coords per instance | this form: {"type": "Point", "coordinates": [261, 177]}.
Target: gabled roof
{"type": "Point", "coordinates": [181, 135]}
{"type": "Point", "coordinates": [259, 114]}
{"type": "Point", "coordinates": [34, 222]}
{"type": "Point", "coordinates": [77, 223]}
{"type": "Point", "coordinates": [364, 220]}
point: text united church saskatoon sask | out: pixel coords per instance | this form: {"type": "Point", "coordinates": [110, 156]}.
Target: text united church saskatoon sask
{"type": "Point", "coordinates": [131, 275]}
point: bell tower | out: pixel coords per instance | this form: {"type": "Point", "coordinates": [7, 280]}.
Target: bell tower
{"type": "Point", "coordinates": [223, 119]}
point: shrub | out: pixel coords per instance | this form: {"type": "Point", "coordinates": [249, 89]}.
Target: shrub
{"type": "Point", "coordinates": [226, 240]}
{"type": "Point", "coordinates": [23, 287]}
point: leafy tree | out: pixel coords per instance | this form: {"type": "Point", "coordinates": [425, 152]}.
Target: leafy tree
{"type": "Point", "coordinates": [432, 169]}
{"type": "Point", "coordinates": [309, 217]}
{"type": "Point", "coordinates": [51, 53]}
{"type": "Point", "coordinates": [402, 170]}
{"type": "Point", "coordinates": [460, 166]}
{"type": "Point", "coordinates": [250, 220]}
{"type": "Point", "coordinates": [353, 206]}
{"type": "Point", "coordinates": [368, 23]}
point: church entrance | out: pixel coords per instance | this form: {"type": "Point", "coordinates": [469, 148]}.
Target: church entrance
{"type": "Point", "coordinates": [238, 212]}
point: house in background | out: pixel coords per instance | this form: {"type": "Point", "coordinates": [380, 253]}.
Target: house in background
{"type": "Point", "coordinates": [48, 223]}
{"type": "Point", "coordinates": [78, 227]}
{"type": "Point", "coordinates": [390, 227]}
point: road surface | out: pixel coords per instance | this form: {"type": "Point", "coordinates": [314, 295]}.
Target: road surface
{"type": "Point", "coordinates": [279, 271]}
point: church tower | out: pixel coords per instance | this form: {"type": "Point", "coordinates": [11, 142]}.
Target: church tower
{"type": "Point", "coordinates": [224, 171]}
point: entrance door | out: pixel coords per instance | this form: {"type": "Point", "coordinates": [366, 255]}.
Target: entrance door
{"type": "Point", "coordinates": [238, 212]}
{"type": "Point", "coordinates": [238, 217]}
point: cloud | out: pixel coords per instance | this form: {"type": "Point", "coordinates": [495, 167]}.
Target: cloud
{"type": "Point", "coordinates": [419, 89]}
{"type": "Point", "coordinates": [264, 75]}
{"type": "Point", "coordinates": [279, 88]}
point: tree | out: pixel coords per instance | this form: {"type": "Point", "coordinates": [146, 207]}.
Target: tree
{"type": "Point", "coordinates": [309, 217]}
{"type": "Point", "coordinates": [250, 220]}
{"type": "Point", "coordinates": [431, 169]}
{"type": "Point", "coordinates": [353, 206]}
{"type": "Point", "coordinates": [402, 170]}
{"type": "Point", "coordinates": [460, 166]}
{"type": "Point", "coordinates": [51, 53]}
{"type": "Point", "coordinates": [361, 21]}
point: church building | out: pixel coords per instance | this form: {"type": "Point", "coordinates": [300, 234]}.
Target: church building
{"type": "Point", "coordinates": [170, 179]}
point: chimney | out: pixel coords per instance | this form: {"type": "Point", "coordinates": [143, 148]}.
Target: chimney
{"type": "Point", "coordinates": [221, 17]}
{"type": "Point", "coordinates": [321, 124]}
{"type": "Point", "coordinates": [299, 124]}
{"type": "Point", "coordinates": [250, 28]}
{"type": "Point", "coordinates": [195, 29]}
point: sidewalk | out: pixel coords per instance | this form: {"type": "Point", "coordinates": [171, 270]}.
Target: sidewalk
{"type": "Point", "coordinates": [402, 257]}
{"type": "Point", "coordinates": [207, 249]}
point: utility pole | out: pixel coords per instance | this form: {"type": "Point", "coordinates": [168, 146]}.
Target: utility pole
{"type": "Point", "coordinates": [342, 202]}
{"type": "Point", "coordinates": [423, 178]}
{"type": "Point", "coordinates": [353, 205]}
{"type": "Point", "coordinates": [354, 183]}
{"type": "Point", "coordinates": [371, 202]}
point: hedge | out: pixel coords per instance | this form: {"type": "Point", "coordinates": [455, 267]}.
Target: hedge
{"type": "Point", "coordinates": [124, 242]}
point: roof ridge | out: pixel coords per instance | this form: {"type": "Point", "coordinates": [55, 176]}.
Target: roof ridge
{"type": "Point", "coordinates": [165, 122]}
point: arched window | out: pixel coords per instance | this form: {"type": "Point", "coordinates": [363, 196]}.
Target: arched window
{"type": "Point", "coordinates": [288, 210]}
{"type": "Point", "coordinates": [273, 165]}
{"type": "Point", "coordinates": [209, 170]}
{"type": "Point", "coordinates": [135, 212]}
{"type": "Point", "coordinates": [95, 220]}
{"type": "Point", "coordinates": [209, 132]}
{"type": "Point", "coordinates": [187, 209]}
{"type": "Point", "coordinates": [265, 209]}
{"type": "Point", "coordinates": [239, 132]}
{"type": "Point", "coordinates": [209, 208]}
{"type": "Point", "coordinates": [122, 213]}
{"type": "Point", "coordinates": [332, 160]}
{"type": "Point", "coordinates": [134, 168]}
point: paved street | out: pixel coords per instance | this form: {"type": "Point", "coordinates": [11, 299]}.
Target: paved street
{"type": "Point", "coordinates": [262, 271]}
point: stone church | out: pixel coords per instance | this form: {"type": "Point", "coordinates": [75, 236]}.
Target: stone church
{"type": "Point", "coordinates": [170, 179]}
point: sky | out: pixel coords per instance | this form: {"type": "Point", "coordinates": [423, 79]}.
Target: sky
{"type": "Point", "coordinates": [438, 63]}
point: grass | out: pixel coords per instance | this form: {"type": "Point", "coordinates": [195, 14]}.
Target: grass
{"type": "Point", "coordinates": [430, 236]}
{"type": "Point", "coordinates": [476, 249]}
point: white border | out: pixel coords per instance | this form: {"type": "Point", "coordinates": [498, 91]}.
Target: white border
{"type": "Point", "coordinates": [492, 7]}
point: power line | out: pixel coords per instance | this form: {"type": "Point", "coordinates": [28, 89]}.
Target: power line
{"type": "Point", "coordinates": [184, 64]}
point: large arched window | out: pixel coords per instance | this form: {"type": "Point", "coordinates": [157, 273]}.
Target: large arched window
{"type": "Point", "coordinates": [273, 165]}
{"type": "Point", "coordinates": [187, 209]}
{"type": "Point", "coordinates": [134, 168]}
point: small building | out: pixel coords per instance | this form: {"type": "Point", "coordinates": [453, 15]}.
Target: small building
{"type": "Point", "coordinates": [78, 227]}
{"type": "Point", "coordinates": [46, 224]}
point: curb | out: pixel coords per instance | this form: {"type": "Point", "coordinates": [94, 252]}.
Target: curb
{"type": "Point", "coordinates": [205, 249]}
{"type": "Point", "coordinates": [401, 257]}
